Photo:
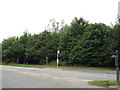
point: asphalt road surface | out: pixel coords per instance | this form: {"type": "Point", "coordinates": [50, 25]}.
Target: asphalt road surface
{"type": "Point", "coordinates": [28, 77]}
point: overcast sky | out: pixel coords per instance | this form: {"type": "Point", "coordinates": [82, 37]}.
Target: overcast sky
{"type": "Point", "coordinates": [18, 15]}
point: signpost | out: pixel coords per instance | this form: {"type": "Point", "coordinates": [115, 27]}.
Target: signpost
{"type": "Point", "coordinates": [46, 60]}
{"type": "Point", "coordinates": [117, 67]}
{"type": "Point", "coordinates": [57, 57]}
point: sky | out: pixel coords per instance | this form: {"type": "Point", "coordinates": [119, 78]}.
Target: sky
{"type": "Point", "coordinates": [17, 16]}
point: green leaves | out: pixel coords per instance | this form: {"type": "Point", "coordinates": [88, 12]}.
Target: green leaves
{"type": "Point", "coordinates": [92, 48]}
{"type": "Point", "coordinates": [80, 43]}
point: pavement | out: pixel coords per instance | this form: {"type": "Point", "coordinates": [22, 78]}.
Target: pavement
{"type": "Point", "coordinates": [29, 77]}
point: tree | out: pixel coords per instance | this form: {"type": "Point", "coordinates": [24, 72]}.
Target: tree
{"type": "Point", "coordinates": [70, 37]}
{"type": "Point", "coordinates": [80, 43]}
{"type": "Point", "coordinates": [92, 48]}
{"type": "Point", "coordinates": [8, 49]}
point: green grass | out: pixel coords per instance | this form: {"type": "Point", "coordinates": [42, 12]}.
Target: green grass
{"type": "Point", "coordinates": [80, 67]}
{"type": "Point", "coordinates": [95, 68]}
{"type": "Point", "coordinates": [103, 83]}
{"type": "Point", "coordinates": [75, 67]}
{"type": "Point", "coordinates": [20, 65]}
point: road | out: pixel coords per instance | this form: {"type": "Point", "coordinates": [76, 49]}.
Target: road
{"type": "Point", "coordinates": [28, 77]}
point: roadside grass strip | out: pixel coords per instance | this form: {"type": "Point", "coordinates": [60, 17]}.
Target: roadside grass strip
{"type": "Point", "coordinates": [80, 67]}
{"type": "Point", "coordinates": [19, 65]}
{"type": "Point", "coordinates": [104, 83]}
{"type": "Point", "coordinates": [75, 67]}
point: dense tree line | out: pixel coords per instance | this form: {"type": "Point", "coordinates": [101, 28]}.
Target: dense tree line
{"type": "Point", "coordinates": [81, 43]}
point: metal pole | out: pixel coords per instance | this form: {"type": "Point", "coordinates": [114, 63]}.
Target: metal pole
{"type": "Point", "coordinates": [118, 51]}
{"type": "Point", "coordinates": [117, 73]}
{"type": "Point", "coordinates": [117, 69]}
{"type": "Point", "coordinates": [57, 59]}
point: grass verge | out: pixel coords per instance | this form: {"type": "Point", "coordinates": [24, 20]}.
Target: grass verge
{"type": "Point", "coordinates": [105, 83]}
{"type": "Point", "coordinates": [80, 67]}
{"type": "Point", "coordinates": [20, 65]}
{"type": "Point", "coordinates": [75, 67]}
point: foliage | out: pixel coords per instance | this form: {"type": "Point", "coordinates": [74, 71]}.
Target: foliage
{"type": "Point", "coordinates": [80, 43]}
{"type": "Point", "coordinates": [70, 37]}
{"type": "Point", "coordinates": [91, 48]}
